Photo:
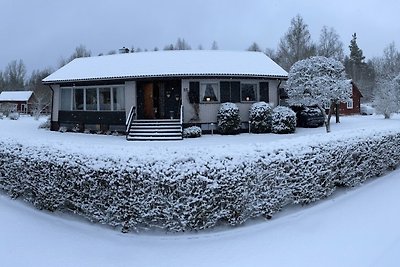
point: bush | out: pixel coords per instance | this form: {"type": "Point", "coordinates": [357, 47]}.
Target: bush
{"type": "Point", "coordinates": [192, 132]}
{"type": "Point", "coordinates": [283, 120]}
{"type": "Point", "coordinates": [46, 124]}
{"type": "Point", "coordinates": [187, 193]}
{"type": "Point", "coordinates": [13, 116]}
{"type": "Point", "coordinates": [260, 117]}
{"type": "Point", "coordinates": [228, 119]}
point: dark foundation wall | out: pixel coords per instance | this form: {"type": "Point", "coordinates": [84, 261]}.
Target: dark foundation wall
{"type": "Point", "coordinates": [84, 118]}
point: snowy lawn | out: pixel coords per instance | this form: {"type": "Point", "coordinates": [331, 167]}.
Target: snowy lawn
{"type": "Point", "coordinates": [356, 227]}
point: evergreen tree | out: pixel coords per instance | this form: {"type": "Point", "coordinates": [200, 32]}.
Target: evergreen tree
{"type": "Point", "coordinates": [362, 73]}
{"type": "Point", "coordinates": [214, 45]}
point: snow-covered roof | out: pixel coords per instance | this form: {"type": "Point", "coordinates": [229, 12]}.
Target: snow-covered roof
{"type": "Point", "coordinates": [15, 96]}
{"type": "Point", "coordinates": [168, 63]}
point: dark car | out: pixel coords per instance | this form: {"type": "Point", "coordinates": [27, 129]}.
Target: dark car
{"type": "Point", "coordinates": [309, 117]}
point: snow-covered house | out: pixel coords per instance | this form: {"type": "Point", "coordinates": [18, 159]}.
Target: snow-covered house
{"type": "Point", "coordinates": [152, 93]}
{"type": "Point", "coordinates": [20, 101]}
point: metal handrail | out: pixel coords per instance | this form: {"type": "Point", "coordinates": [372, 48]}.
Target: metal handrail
{"type": "Point", "coordinates": [181, 114]}
{"type": "Point", "coordinates": [128, 122]}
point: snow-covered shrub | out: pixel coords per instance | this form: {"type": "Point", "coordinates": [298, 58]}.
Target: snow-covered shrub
{"type": "Point", "coordinates": [186, 193]}
{"type": "Point", "coordinates": [192, 132]}
{"type": "Point", "coordinates": [63, 129]}
{"type": "Point", "coordinates": [46, 124]}
{"type": "Point", "coordinates": [283, 120]}
{"type": "Point", "coordinates": [260, 117]}
{"type": "Point", "coordinates": [228, 118]}
{"type": "Point", "coordinates": [13, 116]}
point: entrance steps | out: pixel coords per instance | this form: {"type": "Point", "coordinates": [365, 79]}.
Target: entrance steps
{"type": "Point", "coordinates": [160, 130]}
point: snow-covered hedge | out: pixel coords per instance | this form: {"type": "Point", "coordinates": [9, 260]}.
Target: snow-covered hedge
{"type": "Point", "coordinates": [283, 120]}
{"type": "Point", "coordinates": [228, 118]}
{"type": "Point", "coordinates": [192, 132]}
{"type": "Point", "coordinates": [190, 194]}
{"type": "Point", "coordinates": [260, 116]}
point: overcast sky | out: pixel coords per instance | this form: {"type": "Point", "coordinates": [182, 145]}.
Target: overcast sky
{"type": "Point", "coordinates": [41, 32]}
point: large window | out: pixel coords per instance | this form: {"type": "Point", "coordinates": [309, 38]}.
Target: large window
{"type": "Point", "coordinates": [118, 96]}
{"type": "Point", "coordinates": [78, 99]}
{"type": "Point", "coordinates": [230, 92]}
{"type": "Point", "coordinates": [105, 98]}
{"type": "Point", "coordinates": [93, 99]}
{"type": "Point", "coordinates": [248, 92]}
{"type": "Point", "coordinates": [66, 99]}
{"type": "Point", "coordinates": [209, 92]}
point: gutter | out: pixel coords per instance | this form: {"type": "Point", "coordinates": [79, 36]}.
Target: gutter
{"type": "Point", "coordinates": [51, 107]}
{"type": "Point", "coordinates": [279, 93]}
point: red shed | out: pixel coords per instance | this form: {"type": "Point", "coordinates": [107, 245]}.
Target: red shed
{"type": "Point", "coordinates": [352, 107]}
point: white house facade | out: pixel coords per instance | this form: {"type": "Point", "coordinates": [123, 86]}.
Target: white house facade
{"type": "Point", "coordinates": [187, 87]}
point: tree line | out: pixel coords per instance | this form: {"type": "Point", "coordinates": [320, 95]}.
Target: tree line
{"type": "Point", "coordinates": [296, 44]}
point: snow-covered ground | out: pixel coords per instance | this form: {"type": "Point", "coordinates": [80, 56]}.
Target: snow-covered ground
{"type": "Point", "coordinates": [358, 227]}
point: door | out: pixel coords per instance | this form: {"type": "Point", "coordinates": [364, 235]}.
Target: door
{"type": "Point", "coordinates": [148, 105]}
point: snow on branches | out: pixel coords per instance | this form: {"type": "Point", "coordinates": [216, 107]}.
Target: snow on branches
{"type": "Point", "coordinates": [318, 81]}
{"type": "Point", "coordinates": [387, 97]}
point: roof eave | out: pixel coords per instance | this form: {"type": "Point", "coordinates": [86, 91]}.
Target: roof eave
{"type": "Point", "coordinates": [206, 75]}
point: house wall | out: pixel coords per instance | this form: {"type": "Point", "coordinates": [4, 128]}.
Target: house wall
{"type": "Point", "coordinates": [56, 102]}
{"type": "Point", "coordinates": [356, 96]}
{"type": "Point", "coordinates": [208, 111]}
{"type": "Point", "coordinates": [130, 96]}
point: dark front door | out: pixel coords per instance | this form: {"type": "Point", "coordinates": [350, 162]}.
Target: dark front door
{"type": "Point", "coordinates": [159, 99]}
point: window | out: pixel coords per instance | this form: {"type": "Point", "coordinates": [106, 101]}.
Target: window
{"type": "Point", "coordinates": [93, 99]}
{"type": "Point", "coordinates": [66, 99]}
{"type": "Point", "coordinates": [118, 98]}
{"type": "Point", "coordinates": [248, 92]}
{"type": "Point", "coordinates": [350, 104]}
{"type": "Point", "coordinates": [209, 92]}
{"type": "Point", "coordinates": [105, 98]}
{"type": "Point", "coordinates": [78, 99]}
{"type": "Point", "coordinates": [230, 92]}
{"type": "Point", "coordinates": [264, 92]}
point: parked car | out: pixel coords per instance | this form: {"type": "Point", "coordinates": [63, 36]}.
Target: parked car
{"type": "Point", "coordinates": [366, 109]}
{"type": "Point", "coordinates": [309, 117]}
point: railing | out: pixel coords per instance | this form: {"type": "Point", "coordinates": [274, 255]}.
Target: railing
{"type": "Point", "coordinates": [181, 114]}
{"type": "Point", "coordinates": [132, 114]}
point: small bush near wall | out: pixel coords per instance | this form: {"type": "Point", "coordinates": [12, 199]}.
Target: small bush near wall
{"type": "Point", "coordinates": [228, 119]}
{"type": "Point", "coordinates": [13, 116]}
{"type": "Point", "coordinates": [283, 120]}
{"type": "Point", "coordinates": [192, 132]}
{"type": "Point", "coordinates": [189, 193]}
{"type": "Point", "coordinates": [260, 116]}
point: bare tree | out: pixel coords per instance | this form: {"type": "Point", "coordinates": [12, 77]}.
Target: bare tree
{"type": "Point", "coordinates": [330, 44]}
{"type": "Point", "coordinates": [296, 44]}
{"type": "Point", "coordinates": [181, 44]}
{"type": "Point", "coordinates": [42, 93]}
{"type": "Point", "coordinates": [80, 51]}
{"type": "Point", "coordinates": [14, 75]}
{"type": "Point", "coordinates": [254, 47]}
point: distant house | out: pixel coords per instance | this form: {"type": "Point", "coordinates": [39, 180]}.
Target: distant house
{"type": "Point", "coordinates": [20, 101]}
{"type": "Point", "coordinates": [154, 94]}
{"type": "Point", "coordinates": [352, 107]}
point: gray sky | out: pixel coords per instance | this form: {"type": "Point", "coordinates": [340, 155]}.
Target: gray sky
{"type": "Point", "coordinates": [41, 32]}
